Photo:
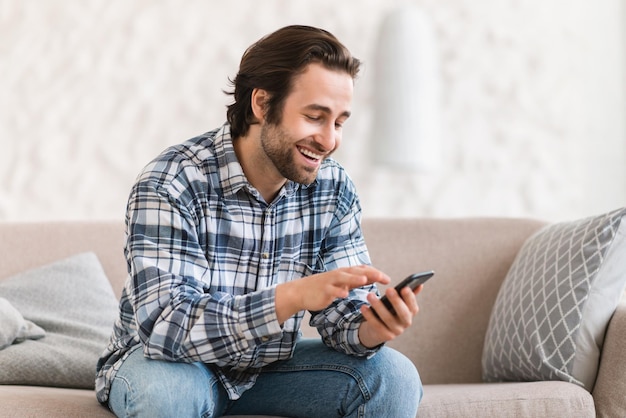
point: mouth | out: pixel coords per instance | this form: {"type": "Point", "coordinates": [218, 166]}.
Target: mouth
{"type": "Point", "coordinates": [310, 155]}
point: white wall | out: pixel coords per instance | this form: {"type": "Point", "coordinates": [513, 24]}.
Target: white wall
{"type": "Point", "coordinates": [533, 100]}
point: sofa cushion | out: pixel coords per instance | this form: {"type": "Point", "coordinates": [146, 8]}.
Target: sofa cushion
{"type": "Point", "coordinates": [50, 402]}
{"type": "Point", "coordinates": [551, 313]}
{"type": "Point", "coordinates": [73, 302]}
{"type": "Point", "coordinates": [507, 400]}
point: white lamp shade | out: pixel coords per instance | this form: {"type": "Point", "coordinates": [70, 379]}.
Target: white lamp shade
{"type": "Point", "coordinates": [406, 92]}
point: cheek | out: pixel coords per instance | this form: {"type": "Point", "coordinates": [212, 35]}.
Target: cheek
{"type": "Point", "coordinates": [300, 130]}
{"type": "Point", "coordinates": [338, 139]}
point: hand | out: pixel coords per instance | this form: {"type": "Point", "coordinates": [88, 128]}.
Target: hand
{"type": "Point", "coordinates": [316, 292]}
{"type": "Point", "coordinates": [377, 330]}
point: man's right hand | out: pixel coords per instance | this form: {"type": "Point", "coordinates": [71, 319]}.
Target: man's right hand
{"type": "Point", "coordinates": [316, 292]}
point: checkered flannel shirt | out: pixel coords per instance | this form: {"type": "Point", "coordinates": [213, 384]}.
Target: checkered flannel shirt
{"type": "Point", "coordinates": [205, 253]}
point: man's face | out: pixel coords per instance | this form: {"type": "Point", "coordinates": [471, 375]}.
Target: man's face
{"type": "Point", "coordinates": [311, 124]}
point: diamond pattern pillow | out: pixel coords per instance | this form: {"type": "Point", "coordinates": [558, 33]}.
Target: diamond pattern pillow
{"type": "Point", "coordinates": [551, 313]}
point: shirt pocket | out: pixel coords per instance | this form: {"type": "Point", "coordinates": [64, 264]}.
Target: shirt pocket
{"type": "Point", "coordinates": [293, 270]}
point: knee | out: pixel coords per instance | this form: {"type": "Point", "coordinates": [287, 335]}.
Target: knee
{"type": "Point", "coordinates": [398, 375]}
{"type": "Point", "coordinates": [166, 390]}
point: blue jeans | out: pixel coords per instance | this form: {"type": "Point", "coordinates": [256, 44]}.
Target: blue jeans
{"type": "Point", "coordinates": [316, 382]}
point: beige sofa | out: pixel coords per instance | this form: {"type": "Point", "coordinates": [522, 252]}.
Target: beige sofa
{"type": "Point", "coordinates": [471, 258]}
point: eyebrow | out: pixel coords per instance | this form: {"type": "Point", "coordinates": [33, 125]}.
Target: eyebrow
{"type": "Point", "coordinates": [326, 110]}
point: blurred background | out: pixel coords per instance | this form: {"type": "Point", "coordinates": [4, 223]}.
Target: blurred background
{"type": "Point", "coordinates": [529, 112]}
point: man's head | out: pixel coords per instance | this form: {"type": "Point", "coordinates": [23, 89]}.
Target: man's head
{"type": "Point", "coordinates": [271, 65]}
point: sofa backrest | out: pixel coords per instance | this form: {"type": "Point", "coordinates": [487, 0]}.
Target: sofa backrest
{"type": "Point", "coordinates": [470, 257]}
{"type": "Point", "coordinates": [32, 244]}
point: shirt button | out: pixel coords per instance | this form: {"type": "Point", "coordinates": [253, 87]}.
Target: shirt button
{"type": "Point", "coordinates": [265, 256]}
{"type": "Point", "coordinates": [265, 338]}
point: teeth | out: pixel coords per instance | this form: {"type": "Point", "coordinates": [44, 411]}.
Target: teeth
{"type": "Point", "coordinates": [310, 154]}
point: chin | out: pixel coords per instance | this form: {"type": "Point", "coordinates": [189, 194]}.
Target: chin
{"type": "Point", "coordinates": [306, 180]}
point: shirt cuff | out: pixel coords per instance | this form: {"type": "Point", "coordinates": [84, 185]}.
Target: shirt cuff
{"type": "Point", "coordinates": [354, 342]}
{"type": "Point", "coordinates": [258, 319]}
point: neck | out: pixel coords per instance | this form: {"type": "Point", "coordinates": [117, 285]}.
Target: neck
{"type": "Point", "coordinates": [259, 170]}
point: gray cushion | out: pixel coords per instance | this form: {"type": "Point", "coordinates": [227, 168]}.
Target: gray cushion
{"type": "Point", "coordinates": [14, 328]}
{"type": "Point", "coordinates": [73, 302]}
{"type": "Point", "coordinates": [551, 313]}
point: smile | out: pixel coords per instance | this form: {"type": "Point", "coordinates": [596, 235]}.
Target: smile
{"type": "Point", "coordinates": [310, 154]}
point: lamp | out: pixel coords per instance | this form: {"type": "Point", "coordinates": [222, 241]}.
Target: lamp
{"type": "Point", "coordinates": [406, 92]}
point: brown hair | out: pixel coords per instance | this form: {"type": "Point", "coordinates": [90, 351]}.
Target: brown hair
{"type": "Point", "coordinates": [271, 64]}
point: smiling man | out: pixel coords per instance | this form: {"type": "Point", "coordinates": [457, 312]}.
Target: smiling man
{"type": "Point", "coordinates": [233, 235]}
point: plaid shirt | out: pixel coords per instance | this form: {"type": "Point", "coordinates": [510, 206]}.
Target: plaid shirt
{"type": "Point", "coordinates": [205, 253]}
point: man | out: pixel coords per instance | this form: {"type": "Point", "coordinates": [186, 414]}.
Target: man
{"type": "Point", "coordinates": [232, 235]}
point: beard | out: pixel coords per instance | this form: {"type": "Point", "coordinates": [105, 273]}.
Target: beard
{"type": "Point", "coordinates": [279, 148]}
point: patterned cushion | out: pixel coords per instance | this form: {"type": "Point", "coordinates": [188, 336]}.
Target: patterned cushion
{"type": "Point", "coordinates": [72, 300]}
{"type": "Point", "coordinates": [551, 313]}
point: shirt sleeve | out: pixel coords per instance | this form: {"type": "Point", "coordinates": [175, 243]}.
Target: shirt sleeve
{"type": "Point", "coordinates": [177, 319]}
{"type": "Point", "coordinates": [339, 323]}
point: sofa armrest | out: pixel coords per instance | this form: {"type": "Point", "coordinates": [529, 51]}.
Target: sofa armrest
{"type": "Point", "coordinates": [608, 393]}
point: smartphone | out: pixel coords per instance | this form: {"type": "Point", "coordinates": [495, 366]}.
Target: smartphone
{"type": "Point", "coordinates": [413, 281]}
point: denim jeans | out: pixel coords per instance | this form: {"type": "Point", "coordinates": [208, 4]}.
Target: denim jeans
{"type": "Point", "coordinates": [316, 382]}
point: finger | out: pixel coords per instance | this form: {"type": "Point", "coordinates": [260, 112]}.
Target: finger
{"type": "Point", "coordinates": [402, 304]}
{"type": "Point", "coordinates": [418, 289]}
{"type": "Point", "coordinates": [388, 319]}
{"type": "Point", "coordinates": [394, 297]}
{"type": "Point", "coordinates": [377, 308]}
{"type": "Point", "coordinates": [358, 276]}
{"type": "Point", "coordinates": [391, 325]}
{"type": "Point", "coordinates": [372, 274]}
{"type": "Point", "coordinates": [405, 307]}
{"type": "Point", "coordinates": [410, 300]}
{"type": "Point", "coordinates": [350, 279]}
{"type": "Point", "coordinates": [369, 314]}
{"type": "Point", "coordinates": [373, 330]}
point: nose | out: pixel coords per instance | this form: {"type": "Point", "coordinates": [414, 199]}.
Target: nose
{"type": "Point", "coordinates": [328, 138]}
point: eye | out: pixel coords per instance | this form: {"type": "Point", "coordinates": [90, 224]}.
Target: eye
{"type": "Point", "coordinates": [313, 118]}
{"type": "Point", "coordinates": [339, 123]}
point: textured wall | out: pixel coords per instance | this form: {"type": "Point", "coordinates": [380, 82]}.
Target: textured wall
{"type": "Point", "coordinates": [532, 100]}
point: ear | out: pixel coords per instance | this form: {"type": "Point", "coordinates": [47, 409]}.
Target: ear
{"type": "Point", "coordinates": [258, 102]}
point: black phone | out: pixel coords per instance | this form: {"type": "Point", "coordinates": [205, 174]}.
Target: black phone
{"type": "Point", "coordinates": [413, 281]}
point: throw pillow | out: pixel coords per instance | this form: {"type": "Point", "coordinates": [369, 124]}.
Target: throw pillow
{"type": "Point", "coordinates": [551, 313]}
{"type": "Point", "coordinates": [14, 328]}
{"type": "Point", "coordinates": [72, 300]}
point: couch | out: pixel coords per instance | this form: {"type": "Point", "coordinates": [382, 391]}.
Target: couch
{"type": "Point", "coordinates": [471, 258]}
